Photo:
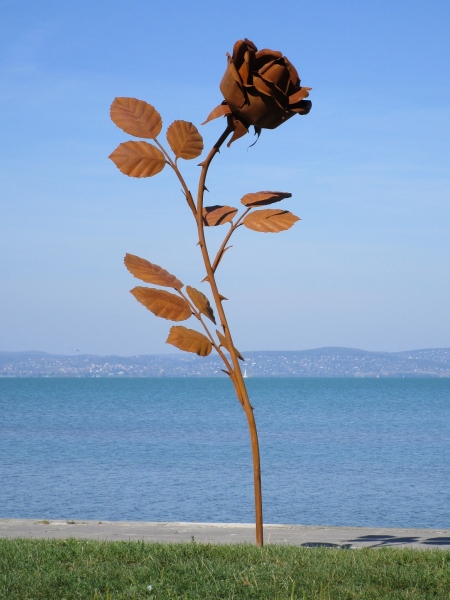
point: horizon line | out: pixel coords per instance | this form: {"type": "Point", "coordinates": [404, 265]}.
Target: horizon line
{"type": "Point", "coordinates": [78, 353]}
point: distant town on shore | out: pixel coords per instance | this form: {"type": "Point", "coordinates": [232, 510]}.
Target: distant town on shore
{"type": "Point", "coordinates": [322, 362]}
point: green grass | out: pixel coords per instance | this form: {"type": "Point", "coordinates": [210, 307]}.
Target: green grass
{"type": "Point", "coordinates": [67, 569]}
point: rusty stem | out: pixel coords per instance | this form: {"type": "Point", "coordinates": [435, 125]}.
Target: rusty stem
{"type": "Point", "coordinates": [222, 248]}
{"type": "Point", "coordinates": [174, 166]}
{"type": "Point", "coordinates": [236, 375]}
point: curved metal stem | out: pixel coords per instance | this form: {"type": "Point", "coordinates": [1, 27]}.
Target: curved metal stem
{"type": "Point", "coordinates": [236, 377]}
{"type": "Point", "coordinates": [174, 166]}
{"type": "Point", "coordinates": [222, 248]}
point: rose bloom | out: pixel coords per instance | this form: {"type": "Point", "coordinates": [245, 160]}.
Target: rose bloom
{"type": "Point", "coordinates": [261, 88]}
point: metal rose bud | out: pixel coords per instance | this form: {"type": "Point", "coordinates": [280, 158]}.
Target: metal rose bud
{"type": "Point", "coordinates": [261, 88]}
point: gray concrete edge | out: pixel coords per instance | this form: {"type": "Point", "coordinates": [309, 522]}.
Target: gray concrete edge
{"type": "Point", "coordinates": [226, 533]}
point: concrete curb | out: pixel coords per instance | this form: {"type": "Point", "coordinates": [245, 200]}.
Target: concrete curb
{"type": "Point", "coordinates": [226, 533]}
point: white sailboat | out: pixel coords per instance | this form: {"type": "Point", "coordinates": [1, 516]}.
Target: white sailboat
{"type": "Point", "coordinates": [245, 374]}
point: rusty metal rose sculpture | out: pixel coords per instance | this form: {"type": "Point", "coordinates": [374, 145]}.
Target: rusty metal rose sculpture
{"type": "Point", "coordinates": [261, 88]}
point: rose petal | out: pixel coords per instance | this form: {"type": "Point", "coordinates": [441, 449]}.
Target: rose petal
{"type": "Point", "coordinates": [263, 111]}
{"type": "Point", "coordinates": [299, 95]}
{"type": "Point", "coordinates": [295, 79]}
{"type": "Point", "coordinates": [262, 86]}
{"type": "Point", "coordinates": [301, 108]}
{"type": "Point", "coordinates": [231, 90]}
{"type": "Point", "coordinates": [267, 52]}
{"type": "Point", "coordinates": [234, 72]}
{"type": "Point", "coordinates": [278, 75]}
{"type": "Point", "coordinates": [269, 89]}
{"type": "Point", "coordinates": [265, 56]}
{"type": "Point", "coordinates": [239, 49]}
{"type": "Point", "coordinates": [263, 69]}
{"type": "Point", "coordinates": [251, 44]}
{"type": "Point", "coordinates": [244, 72]}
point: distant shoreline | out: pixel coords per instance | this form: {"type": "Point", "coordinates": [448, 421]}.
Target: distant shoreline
{"type": "Point", "coordinates": [330, 377]}
{"type": "Point", "coordinates": [331, 362]}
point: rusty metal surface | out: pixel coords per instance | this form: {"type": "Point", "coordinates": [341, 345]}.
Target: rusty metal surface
{"type": "Point", "coordinates": [261, 88]}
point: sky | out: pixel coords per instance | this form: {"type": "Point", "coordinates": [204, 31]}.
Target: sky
{"type": "Point", "coordinates": [366, 267]}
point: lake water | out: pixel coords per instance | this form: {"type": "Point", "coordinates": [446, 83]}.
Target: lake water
{"type": "Point", "coordinates": [373, 452]}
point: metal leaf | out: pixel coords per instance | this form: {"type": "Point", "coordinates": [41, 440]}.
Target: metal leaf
{"type": "Point", "coordinates": [270, 220]}
{"type": "Point", "coordinates": [201, 302]}
{"type": "Point", "coordinates": [189, 340]}
{"type": "Point", "coordinates": [218, 215]}
{"type": "Point", "coordinates": [138, 159]}
{"type": "Point", "coordinates": [185, 140]}
{"type": "Point", "coordinates": [136, 117]}
{"type": "Point", "coordinates": [263, 198]}
{"type": "Point", "coordinates": [224, 342]}
{"type": "Point", "coordinates": [150, 273]}
{"type": "Point", "coordinates": [163, 304]}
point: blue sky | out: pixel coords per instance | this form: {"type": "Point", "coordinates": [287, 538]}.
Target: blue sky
{"type": "Point", "coordinates": [368, 265]}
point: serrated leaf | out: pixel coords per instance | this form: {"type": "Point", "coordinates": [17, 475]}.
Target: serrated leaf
{"type": "Point", "coordinates": [189, 340]}
{"type": "Point", "coordinates": [138, 159]}
{"type": "Point", "coordinates": [263, 198]}
{"type": "Point", "coordinates": [224, 342]}
{"type": "Point", "coordinates": [146, 271]}
{"type": "Point", "coordinates": [218, 215]}
{"type": "Point", "coordinates": [136, 117]}
{"type": "Point", "coordinates": [270, 220]}
{"type": "Point", "coordinates": [163, 304]}
{"type": "Point", "coordinates": [201, 302]}
{"type": "Point", "coordinates": [185, 140]}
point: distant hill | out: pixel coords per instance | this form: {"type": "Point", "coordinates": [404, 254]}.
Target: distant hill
{"type": "Point", "coordinates": [321, 362]}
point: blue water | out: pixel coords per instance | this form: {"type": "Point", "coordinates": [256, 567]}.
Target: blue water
{"type": "Point", "coordinates": [373, 452]}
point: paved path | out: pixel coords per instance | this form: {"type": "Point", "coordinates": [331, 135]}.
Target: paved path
{"type": "Point", "coordinates": [223, 533]}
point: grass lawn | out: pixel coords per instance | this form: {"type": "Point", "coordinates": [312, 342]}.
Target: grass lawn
{"type": "Point", "coordinates": [66, 569]}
